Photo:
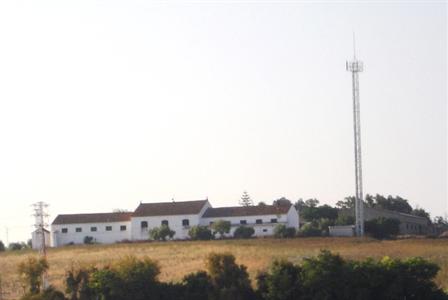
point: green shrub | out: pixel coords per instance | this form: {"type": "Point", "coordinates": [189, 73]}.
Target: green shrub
{"type": "Point", "coordinates": [200, 233]}
{"type": "Point", "coordinates": [161, 233]}
{"type": "Point", "coordinates": [2, 246]}
{"type": "Point", "coordinates": [243, 232]}
{"type": "Point", "coordinates": [49, 293]}
{"type": "Point", "coordinates": [381, 228]}
{"type": "Point", "coordinates": [88, 240]}
{"type": "Point", "coordinates": [77, 283]}
{"type": "Point", "coordinates": [197, 286]}
{"type": "Point", "coordinates": [31, 271]}
{"type": "Point", "coordinates": [222, 227]}
{"type": "Point", "coordinates": [310, 229]}
{"type": "Point", "coordinates": [281, 231]}
{"type": "Point", "coordinates": [16, 246]}
{"type": "Point", "coordinates": [281, 282]}
{"type": "Point", "coordinates": [230, 281]}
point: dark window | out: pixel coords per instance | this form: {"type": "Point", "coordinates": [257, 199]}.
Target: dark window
{"type": "Point", "coordinates": [165, 222]}
{"type": "Point", "coordinates": [123, 228]}
{"type": "Point", "coordinates": [211, 223]}
{"type": "Point", "coordinates": [64, 230]}
{"type": "Point", "coordinates": [265, 230]}
{"type": "Point", "coordinates": [78, 229]}
{"type": "Point", "coordinates": [108, 228]}
{"type": "Point", "coordinates": [273, 220]}
{"type": "Point", "coordinates": [92, 229]}
{"type": "Point", "coordinates": [185, 222]}
{"type": "Point", "coordinates": [243, 222]}
{"type": "Point", "coordinates": [259, 221]}
{"type": "Point", "coordinates": [144, 225]}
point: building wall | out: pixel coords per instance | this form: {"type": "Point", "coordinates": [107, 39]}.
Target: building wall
{"type": "Point", "coordinates": [36, 240]}
{"type": "Point", "coordinates": [59, 238]}
{"type": "Point", "coordinates": [266, 228]}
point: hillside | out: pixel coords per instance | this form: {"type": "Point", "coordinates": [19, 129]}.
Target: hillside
{"type": "Point", "coordinates": [180, 258]}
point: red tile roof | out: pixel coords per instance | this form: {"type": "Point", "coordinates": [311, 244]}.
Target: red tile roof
{"type": "Point", "coordinates": [92, 218]}
{"type": "Point", "coordinates": [169, 208]}
{"type": "Point", "coordinates": [238, 211]}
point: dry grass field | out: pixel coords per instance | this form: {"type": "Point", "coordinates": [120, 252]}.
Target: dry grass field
{"type": "Point", "coordinates": [179, 258]}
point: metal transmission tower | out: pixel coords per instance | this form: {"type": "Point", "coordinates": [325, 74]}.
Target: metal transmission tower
{"type": "Point", "coordinates": [40, 223]}
{"type": "Point", "coordinates": [355, 66]}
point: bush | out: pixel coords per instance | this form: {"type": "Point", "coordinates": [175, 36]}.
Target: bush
{"type": "Point", "coordinates": [310, 229]}
{"type": "Point", "coordinates": [345, 220]}
{"type": "Point", "coordinates": [2, 246]}
{"type": "Point", "coordinates": [197, 286]}
{"type": "Point", "coordinates": [77, 283]}
{"type": "Point", "coordinates": [222, 227]}
{"type": "Point", "coordinates": [200, 233]}
{"type": "Point", "coordinates": [329, 276]}
{"type": "Point", "coordinates": [49, 293]}
{"type": "Point", "coordinates": [16, 246]}
{"type": "Point", "coordinates": [243, 232]}
{"type": "Point", "coordinates": [230, 281]}
{"type": "Point", "coordinates": [161, 233]}
{"type": "Point", "coordinates": [129, 278]}
{"type": "Point", "coordinates": [88, 240]}
{"type": "Point", "coordinates": [382, 228]}
{"type": "Point", "coordinates": [31, 271]}
{"type": "Point", "coordinates": [281, 231]}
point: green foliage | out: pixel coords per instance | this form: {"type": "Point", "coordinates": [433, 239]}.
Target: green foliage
{"type": "Point", "coordinates": [30, 271]}
{"type": "Point", "coordinates": [420, 212]}
{"type": "Point", "coordinates": [88, 240]}
{"type": "Point", "coordinates": [197, 286]}
{"type": "Point", "coordinates": [329, 277]}
{"type": "Point", "coordinates": [161, 233]}
{"type": "Point", "coordinates": [16, 246]}
{"type": "Point", "coordinates": [49, 293]}
{"type": "Point", "coordinates": [347, 203]}
{"type": "Point", "coordinates": [246, 200]}
{"type": "Point", "coordinates": [310, 229]}
{"type": "Point", "coordinates": [281, 231]}
{"type": "Point", "coordinates": [2, 246]}
{"type": "Point", "coordinates": [230, 281]}
{"type": "Point", "coordinates": [77, 283]}
{"type": "Point", "coordinates": [243, 232]}
{"type": "Point", "coordinates": [200, 233]}
{"type": "Point", "coordinates": [345, 220]}
{"type": "Point", "coordinates": [281, 282]}
{"type": "Point", "coordinates": [222, 227]}
{"type": "Point", "coordinates": [381, 228]}
{"type": "Point", "coordinates": [282, 202]}
{"type": "Point", "coordinates": [129, 278]}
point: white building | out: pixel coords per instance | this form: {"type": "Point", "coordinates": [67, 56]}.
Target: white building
{"type": "Point", "coordinates": [36, 238]}
{"type": "Point", "coordinates": [107, 228]}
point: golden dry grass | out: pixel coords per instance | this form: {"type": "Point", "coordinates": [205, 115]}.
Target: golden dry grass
{"type": "Point", "coordinates": [179, 258]}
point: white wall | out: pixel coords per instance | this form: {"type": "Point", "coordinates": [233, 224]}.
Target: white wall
{"type": "Point", "coordinates": [264, 229]}
{"type": "Point", "coordinates": [293, 217]}
{"type": "Point", "coordinates": [36, 240]}
{"type": "Point", "coordinates": [100, 236]}
{"type": "Point", "coordinates": [174, 222]}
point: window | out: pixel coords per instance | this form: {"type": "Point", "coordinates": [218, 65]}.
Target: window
{"type": "Point", "coordinates": [93, 229]}
{"type": "Point", "coordinates": [108, 228]}
{"type": "Point", "coordinates": [64, 230]}
{"type": "Point", "coordinates": [243, 222]}
{"type": "Point", "coordinates": [78, 229]}
{"type": "Point", "coordinates": [165, 222]}
{"type": "Point", "coordinates": [265, 230]}
{"type": "Point", "coordinates": [273, 220]}
{"type": "Point", "coordinates": [123, 228]}
{"type": "Point", "coordinates": [185, 222]}
{"type": "Point", "coordinates": [144, 225]}
{"type": "Point", "coordinates": [258, 221]}
{"type": "Point", "coordinates": [211, 223]}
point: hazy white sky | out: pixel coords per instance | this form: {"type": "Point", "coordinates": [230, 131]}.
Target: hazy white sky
{"type": "Point", "coordinates": [107, 103]}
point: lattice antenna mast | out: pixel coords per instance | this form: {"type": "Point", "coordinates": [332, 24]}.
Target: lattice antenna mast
{"type": "Point", "coordinates": [40, 217]}
{"type": "Point", "coordinates": [355, 66]}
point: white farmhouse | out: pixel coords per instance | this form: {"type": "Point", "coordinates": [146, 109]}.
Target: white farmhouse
{"type": "Point", "coordinates": [107, 228]}
{"type": "Point", "coordinates": [104, 228]}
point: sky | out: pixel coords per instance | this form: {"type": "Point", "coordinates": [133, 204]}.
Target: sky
{"type": "Point", "coordinates": [104, 104]}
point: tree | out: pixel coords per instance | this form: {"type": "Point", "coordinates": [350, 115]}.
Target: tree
{"type": "Point", "coordinates": [381, 227]}
{"type": "Point", "coordinates": [230, 281]}
{"type": "Point", "coordinates": [200, 233]}
{"type": "Point", "coordinates": [2, 246]}
{"type": "Point", "coordinates": [161, 233]}
{"type": "Point", "coordinates": [246, 200]}
{"type": "Point", "coordinates": [282, 202]}
{"type": "Point", "coordinates": [16, 246]}
{"type": "Point", "coordinates": [439, 220]}
{"type": "Point", "coordinates": [88, 240]}
{"type": "Point", "coordinates": [222, 227]}
{"type": "Point", "coordinates": [281, 231]}
{"type": "Point", "coordinates": [347, 203]}
{"type": "Point", "coordinates": [243, 232]}
{"type": "Point", "coordinates": [281, 282]}
{"type": "Point", "coordinates": [31, 271]}
{"type": "Point", "coordinates": [345, 220]}
{"type": "Point", "coordinates": [77, 283]}
{"type": "Point", "coordinates": [420, 212]}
